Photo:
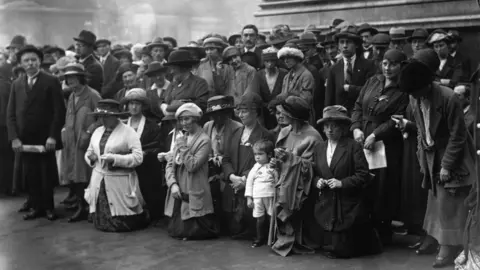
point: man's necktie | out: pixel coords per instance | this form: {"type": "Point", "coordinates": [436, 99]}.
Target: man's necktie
{"type": "Point", "coordinates": [30, 81]}
{"type": "Point", "coordinates": [349, 74]}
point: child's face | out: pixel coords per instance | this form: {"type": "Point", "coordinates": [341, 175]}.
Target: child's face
{"type": "Point", "coordinates": [260, 156]}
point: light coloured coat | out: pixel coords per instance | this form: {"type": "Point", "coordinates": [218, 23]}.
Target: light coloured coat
{"type": "Point", "coordinates": [121, 181]}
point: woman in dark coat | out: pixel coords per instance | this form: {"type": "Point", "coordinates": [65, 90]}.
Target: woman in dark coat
{"type": "Point", "coordinates": [342, 172]}
{"type": "Point", "coordinates": [379, 99]}
{"type": "Point", "coordinates": [7, 156]}
{"type": "Point", "coordinates": [237, 161]}
{"type": "Point", "coordinates": [149, 175]}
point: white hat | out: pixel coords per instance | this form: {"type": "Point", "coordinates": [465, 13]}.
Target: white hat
{"type": "Point", "coordinates": [189, 109]}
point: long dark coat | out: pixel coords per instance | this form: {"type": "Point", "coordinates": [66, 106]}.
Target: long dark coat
{"type": "Point", "coordinates": [110, 68]}
{"type": "Point", "coordinates": [371, 114]}
{"type": "Point", "coordinates": [234, 204]}
{"type": "Point", "coordinates": [452, 71]}
{"type": "Point", "coordinates": [7, 156]}
{"type": "Point", "coordinates": [193, 88]}
{"type": "Point", "coordinates": [94, 71]}
{"type": "Point", "coordinates": [343, 211]}
{"type": "Point", "coordinates": [335, 94]}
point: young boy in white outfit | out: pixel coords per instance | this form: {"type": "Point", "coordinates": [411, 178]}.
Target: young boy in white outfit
{"type": "Point", "coordinates": [260, 187]}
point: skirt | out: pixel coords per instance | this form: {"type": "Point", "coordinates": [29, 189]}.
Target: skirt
{"type": "Point", "coordinates": [197, 228]}
{"type": "Point", "coordinates": [446, 216]}
{"type": "Point", "coordinates": [104, 221]}
{"type": "Point", "coordinates": [472, 263]}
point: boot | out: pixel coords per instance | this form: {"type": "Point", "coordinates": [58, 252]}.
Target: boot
{"type": "Point", "coordinates": [260, 239]}
{"type": "Point", "coordinates": [71, 198]}
{"type": "Point", "coordinates": [80, 214]}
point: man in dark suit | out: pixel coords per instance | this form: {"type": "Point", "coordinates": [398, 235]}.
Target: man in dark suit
{"type": "Point", "coordinates": [35, 116]}
{"type": "Point", "coordinates": [84, 47]}
{"type": "Point", "coordinates": [458, 57]}
{"type": "Point", "coordinates": [350, 73]}
{"type": "Point", "coordinates": [110, 65]}
{"type": "Point", "coordinates": [367, 32]}
{"type": "Point", "coordinates": [463, 93]}
{"type": "Point", "coordinates": [250, 36]}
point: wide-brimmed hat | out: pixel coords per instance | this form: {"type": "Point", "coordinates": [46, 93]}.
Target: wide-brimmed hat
{"type": "Point", "coordinates": [397, 33]}
{"type": "Point", "coordinates": [348, 32]}
{"type": "Point", "coordinates": [419, 33]}
{"type": "Point", "coordinates": [295, 108]}
{"type": "Point", "coordinates": [214, 42]}
{"type": "Point", "coordinates": [102, 41]}
{"type": "Point", "coordinates": [419, 72]}
{"type": "Point", "coordinates": [189, 109]}
{"type": "Point", "coordinates": [279, 38]}
{"type": "Point", "coordinates": [30, 49]}
{"type": "Point", "coordinates": [55, 49]}
{"type": "Point", "coordinates": [250, 100]}
{"type": "Point", "coordinates": [381, 40]}
{"type": "Point", "coordinates": [18, 42]}
{"type": "Point", "coordinates": [62, 63]}
{"type": "Point", "coordinates": [307, 38]}
{"type": "Point", "coordinates": [366, 28]}
{"type": "Point", "coordinates": [335, 113]}
{"type": "Point", "coordinates": [155, 67]}
{"type": "Point", "coordinates": [157, 42]}
{"type": "Point", "coordinates": [455, 35]}
{"type": "Point", "coordinates": [136, 94]}
{"type": "Point", "coordinates": [290, 52]}
{"type": "Point", "coordinates": [86, 37]}
{"type": "Point", "coordinates": [74, 69]}
{"type": "Point", "coordinates": [233, 38]}
{"type": "Point", "coordinates": [270, 53]}
{"type": "Point", "coordinates": [108, 107]}
{"type": "Point", "coordinates": [196, 51]}
{"type": "Point", "coordinates": [229, 52]}
{"type": "Point", "coordinates": [181, 58]}
{"type": "Point", "coordinates": [437, 36]}
{"type": "Point", "coordinates": [329, 38]}
{"type": "Point", "coordinates": [220, 103]}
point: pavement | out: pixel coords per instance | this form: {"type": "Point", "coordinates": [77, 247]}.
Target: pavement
{"type": "Point", "coordinates": [42, 244]}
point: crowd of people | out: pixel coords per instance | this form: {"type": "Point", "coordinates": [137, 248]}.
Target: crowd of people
{"type": "Point", "coordinates": [251, 137]}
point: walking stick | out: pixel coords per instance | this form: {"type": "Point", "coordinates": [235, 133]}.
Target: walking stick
{"type": "Point", "coordinates": [272, 232]}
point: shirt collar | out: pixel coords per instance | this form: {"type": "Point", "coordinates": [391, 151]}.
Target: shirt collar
{"type": "Point", "coordinates": [105, 57]}
{"type": "Point", "coordinates": [165, 85]}
{"type": "Point", "coordinates": [466, 109]}
{"type": "Point", "coordinates": [34, 75]}
{"type": "Point", "coordinates": [84, 59]}
{"type": "Point", "coordinates": [251, 50]}
{"type": "Point", "coordinates": [453, 53]}
{"type": "Point", "coordinates": [352, 59]}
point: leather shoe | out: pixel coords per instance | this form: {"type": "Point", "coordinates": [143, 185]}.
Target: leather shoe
{"type": "Point", "coordinates": [50, 215]}
{"type": "Point", "coordinates": [25, 208]}
{"type": "Point", "coordinates": [430, 249]}
{"type": "Point", "coordinates": [257, 243]}
{"type": "Point", "coordinates": [441, 262]}
{"type": "Point", "coordinates": [415, 245]}
{"type": "Point", "coordinates": [34, 214]}
{"type": "Point", "coordinates": [79, 215]}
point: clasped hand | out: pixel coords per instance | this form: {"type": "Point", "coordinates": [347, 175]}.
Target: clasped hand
{"type": "Point", "coordinates": [330, 183]}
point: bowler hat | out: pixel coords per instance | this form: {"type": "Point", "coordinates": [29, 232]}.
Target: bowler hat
{"type": "Point", "coordinates": [349, 32]}
{"type": "Point", "coordinates": [108, 107]}
{"type": "Point", "coordinates": [125, 68]}
{"type": "Point", "coordinates": [335, 113]}
{"type": "Point", "coordinates": [397, 33]}
{"type": "Point", "coordinates": [455, 35]}
{"type": "Point", "coordinates": [381, 40]}
{"type": "Point", "coordinates": [196, 51]}
{"type": "Point", "coordinates": [136, 94]}
{"type": "Point", "coordinates": [155, 67]}
{"type": "Point", "coordinates": [220, 103]}
{"type": "Point", "coordinates": [419, 71]}
{"type": "Point", "coordinates": [103, 41]}
{"type": "Point", "coordinates": [312, 28]}
{"type": "Point", "coordinates": [367, 28]}
{"type": "Point", "coordinates": [18, 42]}
{"type": "Point", "coordinates": [86, 37]}
{"type": "Point", "coordinates": [429, 58]}
{"type": "Point", "coordinates": [181, 58]}
{"type": "Point", "coordinates": [295, 108]}
{"type": "Point", "coordinates": [116, 48]}
{"type": "Point", "coordinates": [30, 49]}
{"type": "Point", "coordinates": [74, 69]}
{"type": "Point", "coordinates": [419, 33]}
{"type": "Point", "coordinates": [233, 38]}
{"type": "Point", "coordinates": [229, 52]}
{"type": "Point", "coordinates": [157, 42]}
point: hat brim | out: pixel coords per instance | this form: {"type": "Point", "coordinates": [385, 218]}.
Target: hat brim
{"type": "Point", "coordinates": [338, 119]}
{"type": "Point", "coordinates": [143, 100]}
{"type": "Point", "coordinates": [103, 114]}
{"type": "Point", "coordinates": [151, 45]}
{"type": "Point", "coordinates": [151, 72]}
{"type": "Point", "coordinates": [411, 38]}
{"type": "Point", "coordinates": [282, 110]}
{"type": "Point", "coordinates": [210, 110]}
{"type": "Point", "coordinates": [30, 50]}
{"type": "Point", "coordinates": [398, 38]}
{"type": "Point", "coordinates": [70, 73]}
{"type": "Point", "coordinates": [84, 41]}
{"type": "Point", "coordinates": [279, 41]}
{"type": "Point", "coordinates": [372, 30]}
{"type": "Point", "coordinates": [182, 63]}
{"type": "Point", "coordinates": [353, 37]}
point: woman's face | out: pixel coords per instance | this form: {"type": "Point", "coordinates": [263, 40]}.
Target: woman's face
{"type": "Point", "coordinates": [332, 130]}
{"type": "Point", "coordinates": [129, 79]}
{"type": "Point", "coordinates": [442, 49]}
{"type": "Point", "coordinates": [158, 53]}
{"type": "Point", "coordinates": [280, 117]}
{"type": "Point", "coordinates": [109, 121]}
{"type": "Point", "coordinates": [247, 116]}
{"type": "Point", "coordinates": [290, 62]}
{"type": "Point", "coordinates": [135, 108]}
{"type": "Point", "coordinates": [391, 69]}
{"type": "Point", "coordinates": [270, 64]}
{"type": "Point", "coordinates": [187, 123]}
{"type": "Point", "coordinates": [239, 43]}
{"type": "Point", "coordinates": [210, 51]}
{"type": "Point", "coordinates": [146, 59]}
{"type": "Point", "coordinates": [73, 81]}
{"type": "Point", "coordinates": [418, 44]}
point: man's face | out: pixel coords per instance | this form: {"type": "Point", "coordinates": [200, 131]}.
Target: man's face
{"type": "Point", "coordinates": [331, 50]}
{"type": "Point", "coordinates": [453, 46]}
{"type": "Point", "coordinates": [441, 48]}
{"type": "Point", "coordinates": [159, 78]}
{"type": "Point", "coordinates": [235, 61]}
{"type": "Point", "coordinates": [12, 54]}
{"type": "Point", "coordinates": [30, 62]}
{"type": "Point", "coordinates": [347, 47]}
{"type": "Point", "coordinates": [249, 38]}
{"type": "Point", "coordinates": [418, 44]}
{"type": "Point", "coordinates": [378, 52]}
{"type": "Point", "coordinates": [146, 59]}
{"type": "Point", "coordinates": [82, 49]}
{"type": "Point", "coordinates": [460, 92]}
{"type": "Point", "coordinates": [169, 43]}
{"type": "Point", "coordinates": [397, 44]}
{"type": "Point", "coordinates": [129, 79]}
{"type": "Point", "coordinates": [158, 53]}
{"type": "Point", "coordinates": [366, 39]}
{"type": "Point", "coordinates": [125, 60]}
{"type": "Point", "coordinates": [103, 49]}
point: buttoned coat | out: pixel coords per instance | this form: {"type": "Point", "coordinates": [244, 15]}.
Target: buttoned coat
{"type": "Point", "coordinates": [192, 88]}
{"type": "Point", "coordinates": [75, 137]}
{"type": "Point", "coordinates": [335, 93]}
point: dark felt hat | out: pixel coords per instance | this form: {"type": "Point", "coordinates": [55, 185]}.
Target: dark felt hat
{"type": "Point", "coordinates": [122, 53]}
{"type": "Point", "coordinates": [428, 57]}
{"type": "Point", "coordinates": [220, 103]}
{"type": "Point", "coordinates": [108, 107]}
{"type": "Point", "coordinates": [181, 58]}
{"type": "Point", "coordinates": [48, 60]}
{"type": "Point", "coordinates": [155, 67]}
{"type": "Point", "coordinates": [196, 51]}
{"type": "Point", "coordinates": [335, 113]}
{"type": "Point", "coordinates": [455, 35]}
{"type": "Point", "coordinates": [103, 41]}
{"type": "Point", "coordinates": [251, 58]}
{"type": "Point", "coordinates": [307, 38]}
{"type": "Point", "coordinates": [233, 38]}
{"type": "Point", "coordinates": [86, 37]}
{"type": "Point", "coordinates": [381, 40]}
{"type": "Point", "coordinates": [349, 32]}
{"type": "Point", "coordinates": [329, 38]}
{"type": "Point", "coordinates": [419, 33]}
{"type": "Point", "coordinates": [367, 28]}
{"type": "Point", "coordinates": [250, 100]}
{"type": "Point", "coordinates": [30, 49]}
{"type": "Point", "coordinates": [126, 67]}
{"type": "Point", "coordinates": [295, 108]}
{"type": "Point", "coordinates": [55, 49]}
{"type": "Point", "coordinates": [229, 52]}
{"type": "Point", "coordinates": [394, 55]}
{"type": "Point", "coordinates": [157, 42]}
{"type": "Point", "coordinates": [18, 42]}
{"type": "Point", "coordinates": [419, 71]}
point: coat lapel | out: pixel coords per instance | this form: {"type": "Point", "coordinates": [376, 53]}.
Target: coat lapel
{"type": "Point", "coordinates": [35, 91]}
{"type": "Point", "coordinates": [81, 100]}
{"type": "Point", "coordinates": [325, 170]}
{"type": "Point", "coordinates": [435, 111]}
{"type": "Point", "coordinates": [338, 154]}
{"type": "Point", "coordinates": [341, 71]}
